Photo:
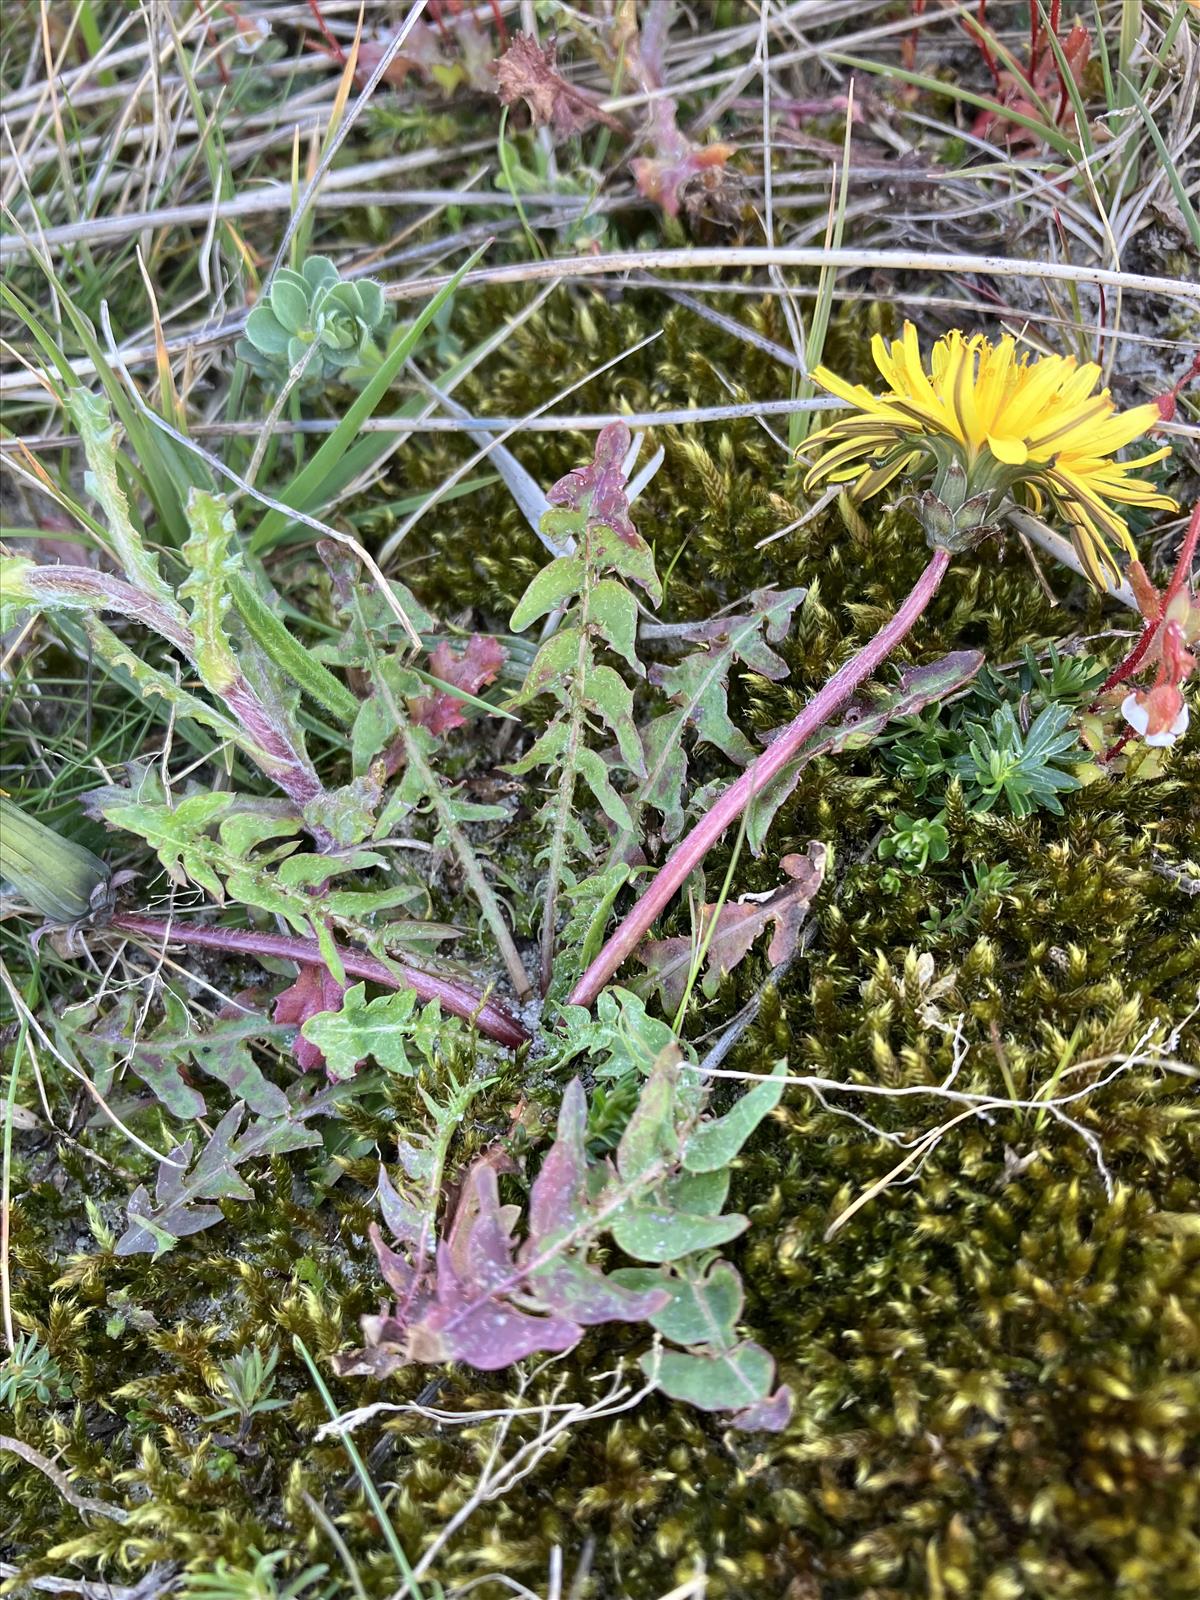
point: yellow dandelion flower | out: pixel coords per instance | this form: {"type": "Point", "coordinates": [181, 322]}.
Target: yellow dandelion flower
{"type": "Point", "coordinates": [992, 423]}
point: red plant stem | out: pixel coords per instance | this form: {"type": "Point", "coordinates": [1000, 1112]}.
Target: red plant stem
{"type": "Point", "coordinates": [210, 37]}
{"type": "Point", "coordinates": [272, 750]}
{"type": "Point", "coordinates": [1127, 668]}
{"type": "Point", "coordinates": [691, 850]}
{"type": "Point", "coordinates": [1187, 554]}
{"type": "Point", "coordinates": [908, 44]}
{"type": "Point", "coordinates": [339, 54]}
{"type": "Point", "coordinates": [488, 1015]}
{"type": "Point", "coordinates": [981, 39]}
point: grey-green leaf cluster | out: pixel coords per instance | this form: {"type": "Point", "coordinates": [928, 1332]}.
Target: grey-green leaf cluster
{"type": "Point", "coordinates": [314, 318]}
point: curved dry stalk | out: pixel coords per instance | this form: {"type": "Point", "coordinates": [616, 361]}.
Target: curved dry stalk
{"type": "Point", "coordinates": [81, 1502]}
{"type": "Point", "coordinates": [809, 258]}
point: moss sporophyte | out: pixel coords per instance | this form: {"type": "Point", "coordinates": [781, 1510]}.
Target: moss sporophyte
{"type": "Point", "coordinates": [990, 426]}
{"type": "Point", "coordinates": [991, 423]}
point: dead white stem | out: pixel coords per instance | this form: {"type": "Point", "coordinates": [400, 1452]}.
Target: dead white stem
{"type": "Point", "coordinates": [809, 258]}
{"type": "Point", "coordinates": [1145, 1052]}
{"type": "Point", "coordinates": [500, 1474]}
{"type": "Point", "coordinates": [396, 539]}
{"type": "Point", "coordinates": [1062, 550]}
{"type": "Point", "coordinates": [338, 136]}
{"type": "Point", "coordinates": [81, 1502]}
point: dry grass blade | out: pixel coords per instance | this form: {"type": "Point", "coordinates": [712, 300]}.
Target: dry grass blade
{"type": "Point", "coordinates": [946, 263]}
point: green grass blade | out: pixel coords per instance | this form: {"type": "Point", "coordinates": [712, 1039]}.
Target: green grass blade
{"type": "Point", "coordinates": [801, 422]}
{"type": "Point", "coordinates": [1072, 88]}
{"type": "Point", "coordinates": [1049, 134]}
{"type": "Point", "coordinates": [11, 302]}
{"type": "Point", "coordinates": [270, 633]}
{"type": "Point", "coordinates": [167, 477]}
{"type": "Point", "coordinates": [364, 1477]}
{"type": "Point", "coordinates": [1178, 189]}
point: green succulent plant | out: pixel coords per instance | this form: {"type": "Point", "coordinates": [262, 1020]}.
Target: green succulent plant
{"type": "Point", "coordinates": [915, 841]}
{"type": "Point", "coordinates": [1025, 767]}
{"type": "Point", "coordinates": [314, 306]}
{"type": "Point", "coordinates": [31, 1373]}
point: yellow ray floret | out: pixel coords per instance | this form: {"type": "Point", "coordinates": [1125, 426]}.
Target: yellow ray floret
{"type": "Point", "coordinates": [1035, 428]}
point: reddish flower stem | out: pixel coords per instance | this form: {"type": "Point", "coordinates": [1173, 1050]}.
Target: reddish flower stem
{"type": "Point", "coordinates": [1187, 554]}
{"type": "Point", "coordinates": [692, 849]}
{"type": "Point", "coordinates": [339, 55]}
{"type": "Point", "coordinates": [488, 1015]}
{"type": "Point", "coordinates": [1131, 663]}
{"type": "Point", "coordinates": [982, 39]}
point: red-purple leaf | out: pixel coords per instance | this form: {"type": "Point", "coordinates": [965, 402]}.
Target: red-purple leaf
{"type": "Point", "coordinates": [558, 1196]}
{"type": "Point", "coordinates": [484, 1332]}
{"type": "Point", "coordinates": [397, 1273]}
{"type": "Point", "coordinates": [675, 161]}
{"type": "Point", "coordinates": [680, 165]}
{"type": "Point", "coordinates": [600, 486]}
{"type": "Point", "coordinates": [476, 666]}
{"type": "Point", "coordinates": [483, 1303]}
{"type": "Point", "coordinates": [590, 505]}
{"type": "Point", "coordinates": [558, 1208]}
{"type": "Point", "coordinates": [480, 1246]}
{"type": "Point", "coordinates": [591, 1298]}
{"type": "Point", "coordinates": [771, 1415]}
{"type": "Point", "coordinates": [314, 991]}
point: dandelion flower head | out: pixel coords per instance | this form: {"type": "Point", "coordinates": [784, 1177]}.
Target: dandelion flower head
{"type": "Point", "coordinates": [992, 422]}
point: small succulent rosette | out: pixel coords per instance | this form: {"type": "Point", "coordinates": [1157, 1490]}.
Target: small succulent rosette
{"type": "Point", "coordinates": [313, 319]}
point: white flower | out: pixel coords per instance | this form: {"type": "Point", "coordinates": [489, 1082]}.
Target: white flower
{"type": "Point", "coordinates": [1159, 721]}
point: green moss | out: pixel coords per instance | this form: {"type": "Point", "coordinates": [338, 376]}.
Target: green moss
{"type": "Point", "coordinates": [995, 1361]}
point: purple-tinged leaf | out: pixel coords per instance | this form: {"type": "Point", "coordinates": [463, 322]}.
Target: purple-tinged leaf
{"type": "Point", "coordinates": [738, 925]}
{"type": "Point", "coordinates": [488, 1302]}
{"type": "Point", "coordinates": [590, 504]}
{"type": "Point", "coordinates": [181, 1186]}
{"type": "Point", "coordinates": [599, 488]}
{"type": "Point", "coordinates": [589, 1297]}
{"type": "Point", "coordinates": [314, 991]}
{"type": "Point", "coordinates": [558, 1207]}
{"type": "Point", "coordinates": [397, 1273]}
{"type": "Point", "coordinates": [559, 1194]}
{"type": "Point", "coordinates": [406, 1221]}
{"type": "Point", "coordinates": [470, 670]}
{"type": "Point", "coordinates": [699, 685]}
{"type": "Point", "coordinates": [480, 1246]}
{"type": "Point", "coordinates": [771, 1415]}
{"type": "Point", "coordinates": [863, 722]}
{"type": "Point", "coordinates": [466, 1323]}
